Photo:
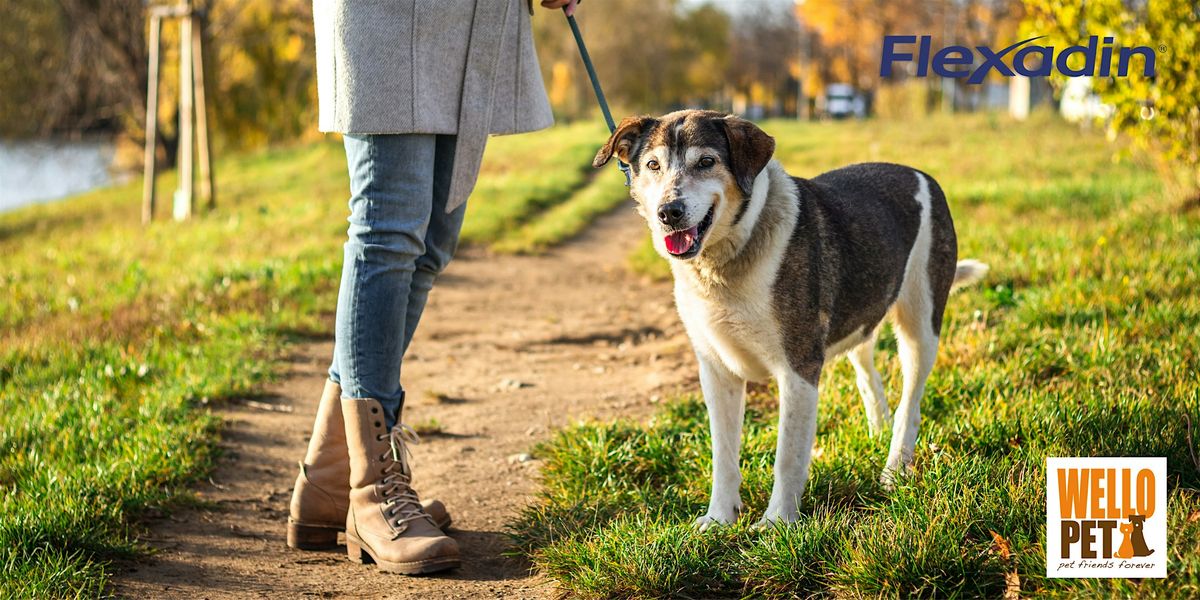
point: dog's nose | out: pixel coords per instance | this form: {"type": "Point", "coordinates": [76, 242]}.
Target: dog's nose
{"type": "Point", "coordinates": [671, 213]}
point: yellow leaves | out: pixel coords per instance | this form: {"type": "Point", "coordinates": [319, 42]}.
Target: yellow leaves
{"type": "Point", "coordinates": [292, 48]}
{"type": "Point", "coordinates": [758, 93]}
{"type": "Point", "coordinates": [1152, 112]}
{"type": "Point", "coordinates": [1012, 581]}
{"type": "Point", "coordinates": [560, 83]}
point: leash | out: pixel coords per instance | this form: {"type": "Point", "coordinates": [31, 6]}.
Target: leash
{"type": "Point", "coordinates": [591, 71]}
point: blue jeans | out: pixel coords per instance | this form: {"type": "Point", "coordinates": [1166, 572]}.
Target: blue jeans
{"type": "Point", "coordinates": [400, 238]}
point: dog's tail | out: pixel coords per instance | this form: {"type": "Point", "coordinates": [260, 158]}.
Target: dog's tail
{"type": "Point", "coordinates": [968, 272]}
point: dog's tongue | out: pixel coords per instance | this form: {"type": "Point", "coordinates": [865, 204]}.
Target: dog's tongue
{"type": "Point", "coordinates": [680, 241]}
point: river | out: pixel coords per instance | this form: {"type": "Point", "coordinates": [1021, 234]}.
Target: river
{"type": "Point", "coordinates": [33, 171]}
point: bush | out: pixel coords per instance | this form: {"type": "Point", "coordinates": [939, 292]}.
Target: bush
{"type": "Point", "coordinates": [1161, 113]}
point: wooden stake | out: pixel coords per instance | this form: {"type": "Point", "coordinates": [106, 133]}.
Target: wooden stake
{"type": "Point", "coordinates": [183, 201]}
{"type": "Point", "coordinates": [148, 170]}
{"type": "Point", "coordinates": [207, 187]}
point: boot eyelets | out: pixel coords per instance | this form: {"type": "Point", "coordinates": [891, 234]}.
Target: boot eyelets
{"type": "Point", "coordinates": [374, 410]}
{"type": "Point", "coordinates": [378, 424]}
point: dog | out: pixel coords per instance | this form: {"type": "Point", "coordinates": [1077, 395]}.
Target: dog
{"type": "Point", "coordinates": [775, 276]}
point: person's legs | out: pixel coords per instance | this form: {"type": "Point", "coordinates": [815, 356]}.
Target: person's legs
{"type": "Point", "coordinates": [391, 203]}
{"type": "Point", "coordinates": [391, 206]}
{"type": "Point", "coordinates": [441, 237]}
{"type": "Point", "coordinates": [393, 180]}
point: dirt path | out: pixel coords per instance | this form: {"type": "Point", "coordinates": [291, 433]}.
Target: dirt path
{"type": "Point", "coordinates": [581, 336]}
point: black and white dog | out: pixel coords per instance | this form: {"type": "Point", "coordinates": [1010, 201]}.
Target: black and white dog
{"type": "Point", "coordinates": [776, 275]}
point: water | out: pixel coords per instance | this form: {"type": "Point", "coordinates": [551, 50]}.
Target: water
{"type": "Point", "coordinates": [33, 171]}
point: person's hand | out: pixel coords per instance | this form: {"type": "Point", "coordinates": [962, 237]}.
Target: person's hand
{"type": "Point", "coordinates": [554, 4]}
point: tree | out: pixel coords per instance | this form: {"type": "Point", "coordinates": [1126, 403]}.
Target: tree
{"type": "Point", "coordinates": [70, 66]}
{"type": "Point", "coordinates": [764, 46]}
{"type": "Point", "coordinates": [1161, 114]}
{"type": "Point", "coordinates": [264, 67]}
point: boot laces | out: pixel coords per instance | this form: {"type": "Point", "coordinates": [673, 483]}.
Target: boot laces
{"type": "Point", "coordinates": [403, 502]}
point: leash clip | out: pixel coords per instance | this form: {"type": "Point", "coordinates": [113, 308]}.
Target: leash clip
{"type": "Point", "coordinates": [625, 169]}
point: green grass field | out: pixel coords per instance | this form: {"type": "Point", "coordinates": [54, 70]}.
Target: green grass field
{"type": "Point", "coordinates": [1081, 342]}
{"type": "Point", "coordinates": [114, 338]}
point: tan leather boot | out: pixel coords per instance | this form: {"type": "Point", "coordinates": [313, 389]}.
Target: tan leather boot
{"type": "Point", "coordinates": [386, 523]}
{"type": "Point", "coordinates": [322, 492]}
{"type": "Point", "coordinates": [321, 495]}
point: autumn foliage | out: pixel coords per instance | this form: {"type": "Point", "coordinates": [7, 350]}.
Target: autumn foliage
{"type": "Point", "coordinates": [1161, 113]}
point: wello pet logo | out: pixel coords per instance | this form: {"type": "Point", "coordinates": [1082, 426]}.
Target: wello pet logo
{"type": "Point", "coordinates": [1106, 517]}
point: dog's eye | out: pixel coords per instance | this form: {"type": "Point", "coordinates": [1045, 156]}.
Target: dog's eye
{"type": "Point", "coordinates": [652, 165]}
{"type": "Point", "coordinates": [706, 162]}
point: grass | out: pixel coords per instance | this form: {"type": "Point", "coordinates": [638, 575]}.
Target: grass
{"type": "Point", "coordinates": [1081, 342]}
{"type": "Point", "coordinates": [116, 340]}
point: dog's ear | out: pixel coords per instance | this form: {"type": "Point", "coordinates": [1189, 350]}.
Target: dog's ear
{"type": "Point", "coordinates": [750, 149]}
{"type": "Point", "coordinates": [622, 140]}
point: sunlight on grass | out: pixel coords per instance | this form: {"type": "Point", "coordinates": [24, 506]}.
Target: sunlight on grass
{"type": "Point", "coordinates": [1080, 342]}
{"type": "Point", "coordinates": [115, 339]}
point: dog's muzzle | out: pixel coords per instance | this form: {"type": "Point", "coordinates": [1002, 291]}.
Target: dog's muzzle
{"type": "Point", "coordinates": [685, 243]}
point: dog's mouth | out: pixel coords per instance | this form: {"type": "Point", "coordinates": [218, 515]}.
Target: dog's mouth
{"type": "Point", "coordinates": [685, 243]}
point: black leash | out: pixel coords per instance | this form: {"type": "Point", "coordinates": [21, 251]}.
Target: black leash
{"type": "Point", "coordinates": [591, 71]}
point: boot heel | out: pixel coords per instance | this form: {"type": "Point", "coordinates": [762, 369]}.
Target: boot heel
{"type": "Point", "coordinates": [308, 537]}
{"type": "Point", "coordinates": [357, 554]}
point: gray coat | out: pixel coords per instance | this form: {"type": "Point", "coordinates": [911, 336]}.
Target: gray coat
{"type": "Point", "coordinates": [464, 67]}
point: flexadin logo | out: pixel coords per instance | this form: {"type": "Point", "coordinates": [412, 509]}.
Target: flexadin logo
{"type": "Point", "coordinates": [1096, 59]}
{"type": "Point", "coordinates": [1106, 517]}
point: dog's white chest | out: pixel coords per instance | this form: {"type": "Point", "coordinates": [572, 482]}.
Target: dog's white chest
{"type": "Point", "coordinates": [738, 330]}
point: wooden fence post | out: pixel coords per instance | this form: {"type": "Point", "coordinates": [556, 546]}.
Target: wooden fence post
{"type": "Point", "coordinates": [183, 197]}
{"type": "Point", "coordinates": [148, 170]}
{"type": "Point", "coordinates": [207, 187]}
{"type": "Point", "coordinates": [193, 111]}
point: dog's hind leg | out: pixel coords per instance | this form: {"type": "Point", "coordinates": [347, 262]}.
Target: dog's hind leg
{"type": "Point", "coordinates": [725, 397]}
{"type": "Point", "coordinates": [918, 350]}
{"type": "Point", "coordinates": [793, 450]}
{"type": "Point", "coordinates": [917, 339]}
{"type": "Point", "coordinates": [870, 385]}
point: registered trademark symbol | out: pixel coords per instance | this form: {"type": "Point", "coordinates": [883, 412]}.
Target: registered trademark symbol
{"type": "Point", "coordinates": [1162, 48]}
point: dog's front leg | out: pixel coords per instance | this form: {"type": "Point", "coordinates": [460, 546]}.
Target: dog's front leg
{"type": "Point", "coordinates": [725, 397]}
{"type": "Point", "coordinates": [793, 450]}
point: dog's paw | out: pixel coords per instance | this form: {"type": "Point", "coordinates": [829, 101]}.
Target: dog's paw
{"type": "Point", "coordinates": [775, 520]}
{"type": "Point", "coordinates": [891, 476]}
{"type": "Point", "coordinates": [710, 521]}
{"type": "Point", "coordinates": [888, 480]}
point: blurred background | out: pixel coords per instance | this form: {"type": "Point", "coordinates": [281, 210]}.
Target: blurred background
{"type": "Point", "coordinates": [74, 72]}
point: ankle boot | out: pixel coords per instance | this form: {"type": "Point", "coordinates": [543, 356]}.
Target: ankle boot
{"type": "Point", "coordinates": [322, 492]}
{"type": "Point", "coordinates": [386, 523]}
{"type": "Point", "coordinates": [321, 495]}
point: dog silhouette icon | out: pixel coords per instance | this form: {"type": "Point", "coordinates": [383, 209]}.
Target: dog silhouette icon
{"type": "Point", "coordinates": [1134, 544]}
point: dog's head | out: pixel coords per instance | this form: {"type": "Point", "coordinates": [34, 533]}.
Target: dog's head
{"type": "Point", "coordinates": [693, 173]}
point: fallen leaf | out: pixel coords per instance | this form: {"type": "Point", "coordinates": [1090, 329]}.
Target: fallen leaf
{"type": "Point", "coordinates": [1012, 581]}
{"type": "Point", "coordinates": [1012, 586]}
{"type": "Point", "coordinates": [1000, 545]}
